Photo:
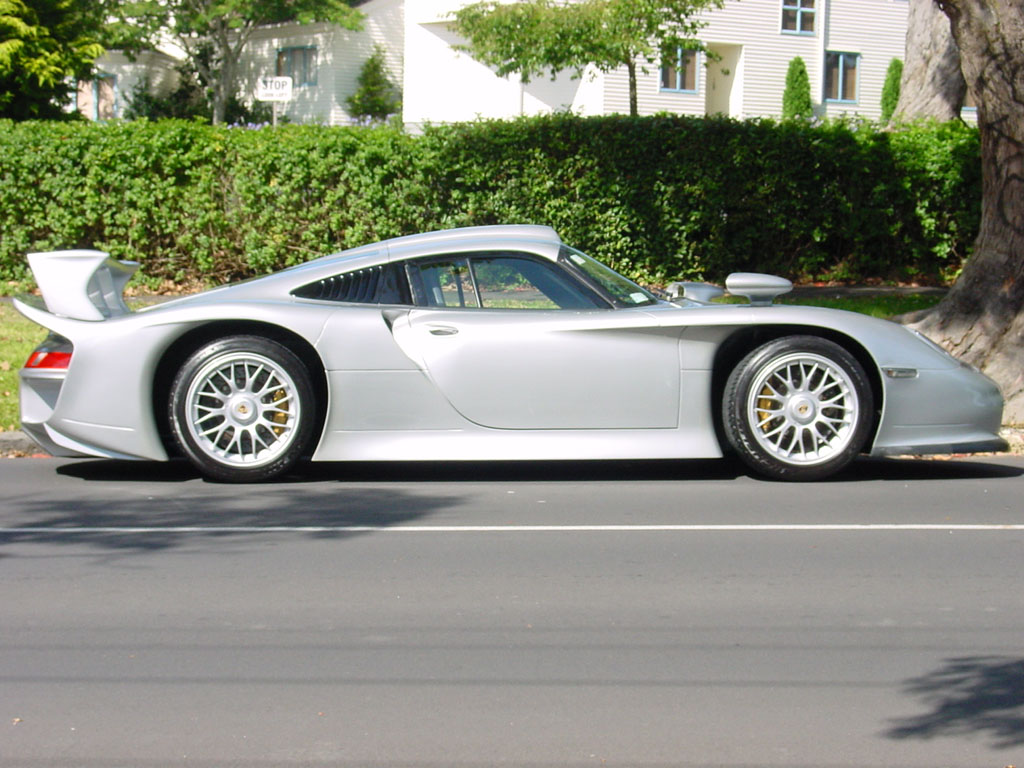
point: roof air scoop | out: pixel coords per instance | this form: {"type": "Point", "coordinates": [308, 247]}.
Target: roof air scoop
{"type": "Point", "coordinates": [760, 289]}
{"type": "Point", "coordinates": [704, 293]}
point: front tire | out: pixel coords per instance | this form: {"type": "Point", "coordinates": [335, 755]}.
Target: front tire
{"type": "Point", "coordinates": [798, 408]}
{"type": "Point", "coordinates": [242, 409]}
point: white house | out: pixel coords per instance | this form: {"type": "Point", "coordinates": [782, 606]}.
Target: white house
{"type": "Point", "coordinates": [847, 46]}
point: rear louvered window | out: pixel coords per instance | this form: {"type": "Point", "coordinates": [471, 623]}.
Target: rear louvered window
{"type": "Point", "coordinates": [383, 284]}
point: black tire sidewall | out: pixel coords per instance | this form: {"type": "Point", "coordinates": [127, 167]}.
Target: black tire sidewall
{"type": "Point", "coordinates": [739, 431]}
{"type": "Point", "coordinates": [178, 409]}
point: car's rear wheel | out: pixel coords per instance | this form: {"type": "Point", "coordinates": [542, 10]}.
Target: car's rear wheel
{"type": "Point", "coordinates": [798, 408]}
{"type": "Point", "coordinates": [242, 409]}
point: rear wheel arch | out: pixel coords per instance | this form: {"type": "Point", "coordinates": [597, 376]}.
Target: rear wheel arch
{"type": "Point", "coordinates": [188, 343]}
{"type": "Point", "coordinates": [745, 340]}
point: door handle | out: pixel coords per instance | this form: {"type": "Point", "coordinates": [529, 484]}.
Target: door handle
{"type": "Point", "coordinates": [443, 330]}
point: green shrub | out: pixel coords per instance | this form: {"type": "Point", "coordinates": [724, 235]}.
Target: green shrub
{"type": "Point", "coordinates": [796, 98]}
{"type": "Point", "coordinates": [376, 97]}
{"type": "Point", "coordinates": [891, 89]}
{"type": "Point", "coordinates": [659, 198]}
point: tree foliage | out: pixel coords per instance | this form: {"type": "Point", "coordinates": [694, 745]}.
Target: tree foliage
{"type": "Point", "coordinates": [376, 97]}
{"type": "Point", "coordinates": [214, 33]}
{"type": "Point", "coordinates": [44, 46]}
{"type": "Point", "coordinates": [796, 98]}
{"type": "Point", "coordinates": [535, 37]}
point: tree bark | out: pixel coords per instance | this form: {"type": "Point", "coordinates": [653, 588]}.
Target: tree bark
{"type": "Point", "coordinates": [932, 84]}
{"type": "Point", "coordinates": [631, 68]}
{"type": "Point", "coordinates": [981, 320]}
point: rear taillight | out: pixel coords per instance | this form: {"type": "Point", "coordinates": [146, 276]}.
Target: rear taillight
{"type": "Point", "coordinates": [53, 353]}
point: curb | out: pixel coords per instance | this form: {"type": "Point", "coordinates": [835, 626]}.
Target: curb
{"type": "Point", "coordinates": [17, 443]}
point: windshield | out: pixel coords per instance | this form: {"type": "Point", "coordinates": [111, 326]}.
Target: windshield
{"type": "Point", "coordinates": [624, 292]}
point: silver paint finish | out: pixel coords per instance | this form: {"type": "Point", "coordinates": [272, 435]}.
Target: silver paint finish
{"type": "Point", "coordinates": [441, 383]}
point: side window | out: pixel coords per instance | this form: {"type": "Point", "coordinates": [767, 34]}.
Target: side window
{"type": "Point", "coordinates": [382, 284]}
{"type": "Point", "coordinates": [513, 282]}
{"type": "Point", "coordinates": [498, 281]}
{"type": "Point", "coordinates": [443, 283]}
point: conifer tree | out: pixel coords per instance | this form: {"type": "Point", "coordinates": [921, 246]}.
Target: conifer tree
{"type": "Point", "coordinates": [796, 99]}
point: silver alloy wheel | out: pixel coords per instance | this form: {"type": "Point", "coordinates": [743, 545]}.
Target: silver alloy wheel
{"type": "Point", "coordinates": [242, 409]}
{"type": "Point", "coordinates": [802, 408]}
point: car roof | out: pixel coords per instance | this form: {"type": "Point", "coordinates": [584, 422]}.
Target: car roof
{"type": "Point", "coordinates": [537, 239]}
{"type": "Point", "coordinates": [540, 240]}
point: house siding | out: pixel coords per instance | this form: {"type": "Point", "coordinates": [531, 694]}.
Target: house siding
{"type": "Point", "coordinates": [443, 84]}
{"type": "Point", "coordinates": [876, 30]}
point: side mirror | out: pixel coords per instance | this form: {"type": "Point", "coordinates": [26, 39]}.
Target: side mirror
{"type": "Point", "coordinates": [759, 289]}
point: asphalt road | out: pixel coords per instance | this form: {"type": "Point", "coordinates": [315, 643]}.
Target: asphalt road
{"type": "Point", "coordinates": [625, 614]}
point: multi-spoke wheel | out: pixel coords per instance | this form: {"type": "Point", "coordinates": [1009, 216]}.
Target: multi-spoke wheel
{"type": "Point", "coordinates": [798, 408]}
{"type": "Point", "coordinates": [242, 409]}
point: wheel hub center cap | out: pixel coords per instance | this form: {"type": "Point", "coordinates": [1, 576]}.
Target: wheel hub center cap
{"type": "Point", "coordinates": [244, 410]}
{"type": "Point", "coordinates": [802, 410]}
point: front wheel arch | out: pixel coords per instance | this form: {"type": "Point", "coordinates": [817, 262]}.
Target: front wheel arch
{"type": "Point", "coordinates": [744, 340]}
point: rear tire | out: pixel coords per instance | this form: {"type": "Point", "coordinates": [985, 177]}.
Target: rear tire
{"type": "Point", "coordinates": [798, 408]}
{"type": "Point", "coordinates": [242, 409]}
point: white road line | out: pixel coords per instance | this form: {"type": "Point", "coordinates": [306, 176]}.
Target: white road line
{"type": "Point", "coordinates": [83, 530]}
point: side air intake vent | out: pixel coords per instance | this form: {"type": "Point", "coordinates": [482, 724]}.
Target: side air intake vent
{"type": "Point", "coordinates": [374, 285]}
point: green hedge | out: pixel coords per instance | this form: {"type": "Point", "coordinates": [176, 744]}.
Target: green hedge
{"type": "Point", "coordinates": [659, 198]}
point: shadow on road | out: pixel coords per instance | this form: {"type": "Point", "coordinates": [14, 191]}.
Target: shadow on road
{"type": "Point", "coordinates": [149, 506]}
{"type": "Point", "coordinates": [157, 516]}
{"type": "Point", "coordinates": [666, 470]}
{"type": "Point", "coordinates": [969, 696]}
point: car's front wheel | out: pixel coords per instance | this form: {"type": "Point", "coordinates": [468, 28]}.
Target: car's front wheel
{"type": "Point", "coordinates": [798, 408]}
{"type": "Point", "coordinates": [242, 409]}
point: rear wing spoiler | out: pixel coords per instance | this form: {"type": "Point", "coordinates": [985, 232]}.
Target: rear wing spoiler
{"type": "Point", "coordinates": [82, 284]}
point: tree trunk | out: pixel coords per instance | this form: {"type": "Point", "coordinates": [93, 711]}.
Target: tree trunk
{"type": "Point", "coordinates": [982, 318]}
{"type": "Point", "coordinates": [932, 84]}
{"type": "Point", "coordinates": [631, 68]}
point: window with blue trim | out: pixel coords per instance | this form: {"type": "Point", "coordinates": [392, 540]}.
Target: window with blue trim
{"type": "Point", "coordinates": [798, 16]}
{"type": "Point", "coordinates": [299, 64]}
{"type": "Point", "coordinates": [681, 74]}
{"type": "Point", "coordinates": [841, 76]}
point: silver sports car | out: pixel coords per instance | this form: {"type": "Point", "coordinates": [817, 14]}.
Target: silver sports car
{"type": "Point", "coordinates": [480, 343]}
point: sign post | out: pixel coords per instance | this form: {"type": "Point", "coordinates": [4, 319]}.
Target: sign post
{"type": "Point", "coordinates": [274, 90]}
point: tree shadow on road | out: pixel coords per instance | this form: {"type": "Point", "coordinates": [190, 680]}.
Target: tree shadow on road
{"type": "Point", "coordinates": [969, 695]}
{"type": "Point", "coordinates": [166, 507]}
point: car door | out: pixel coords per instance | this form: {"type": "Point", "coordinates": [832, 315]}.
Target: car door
{"type": "Point", "coordinates": [511, 346]}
